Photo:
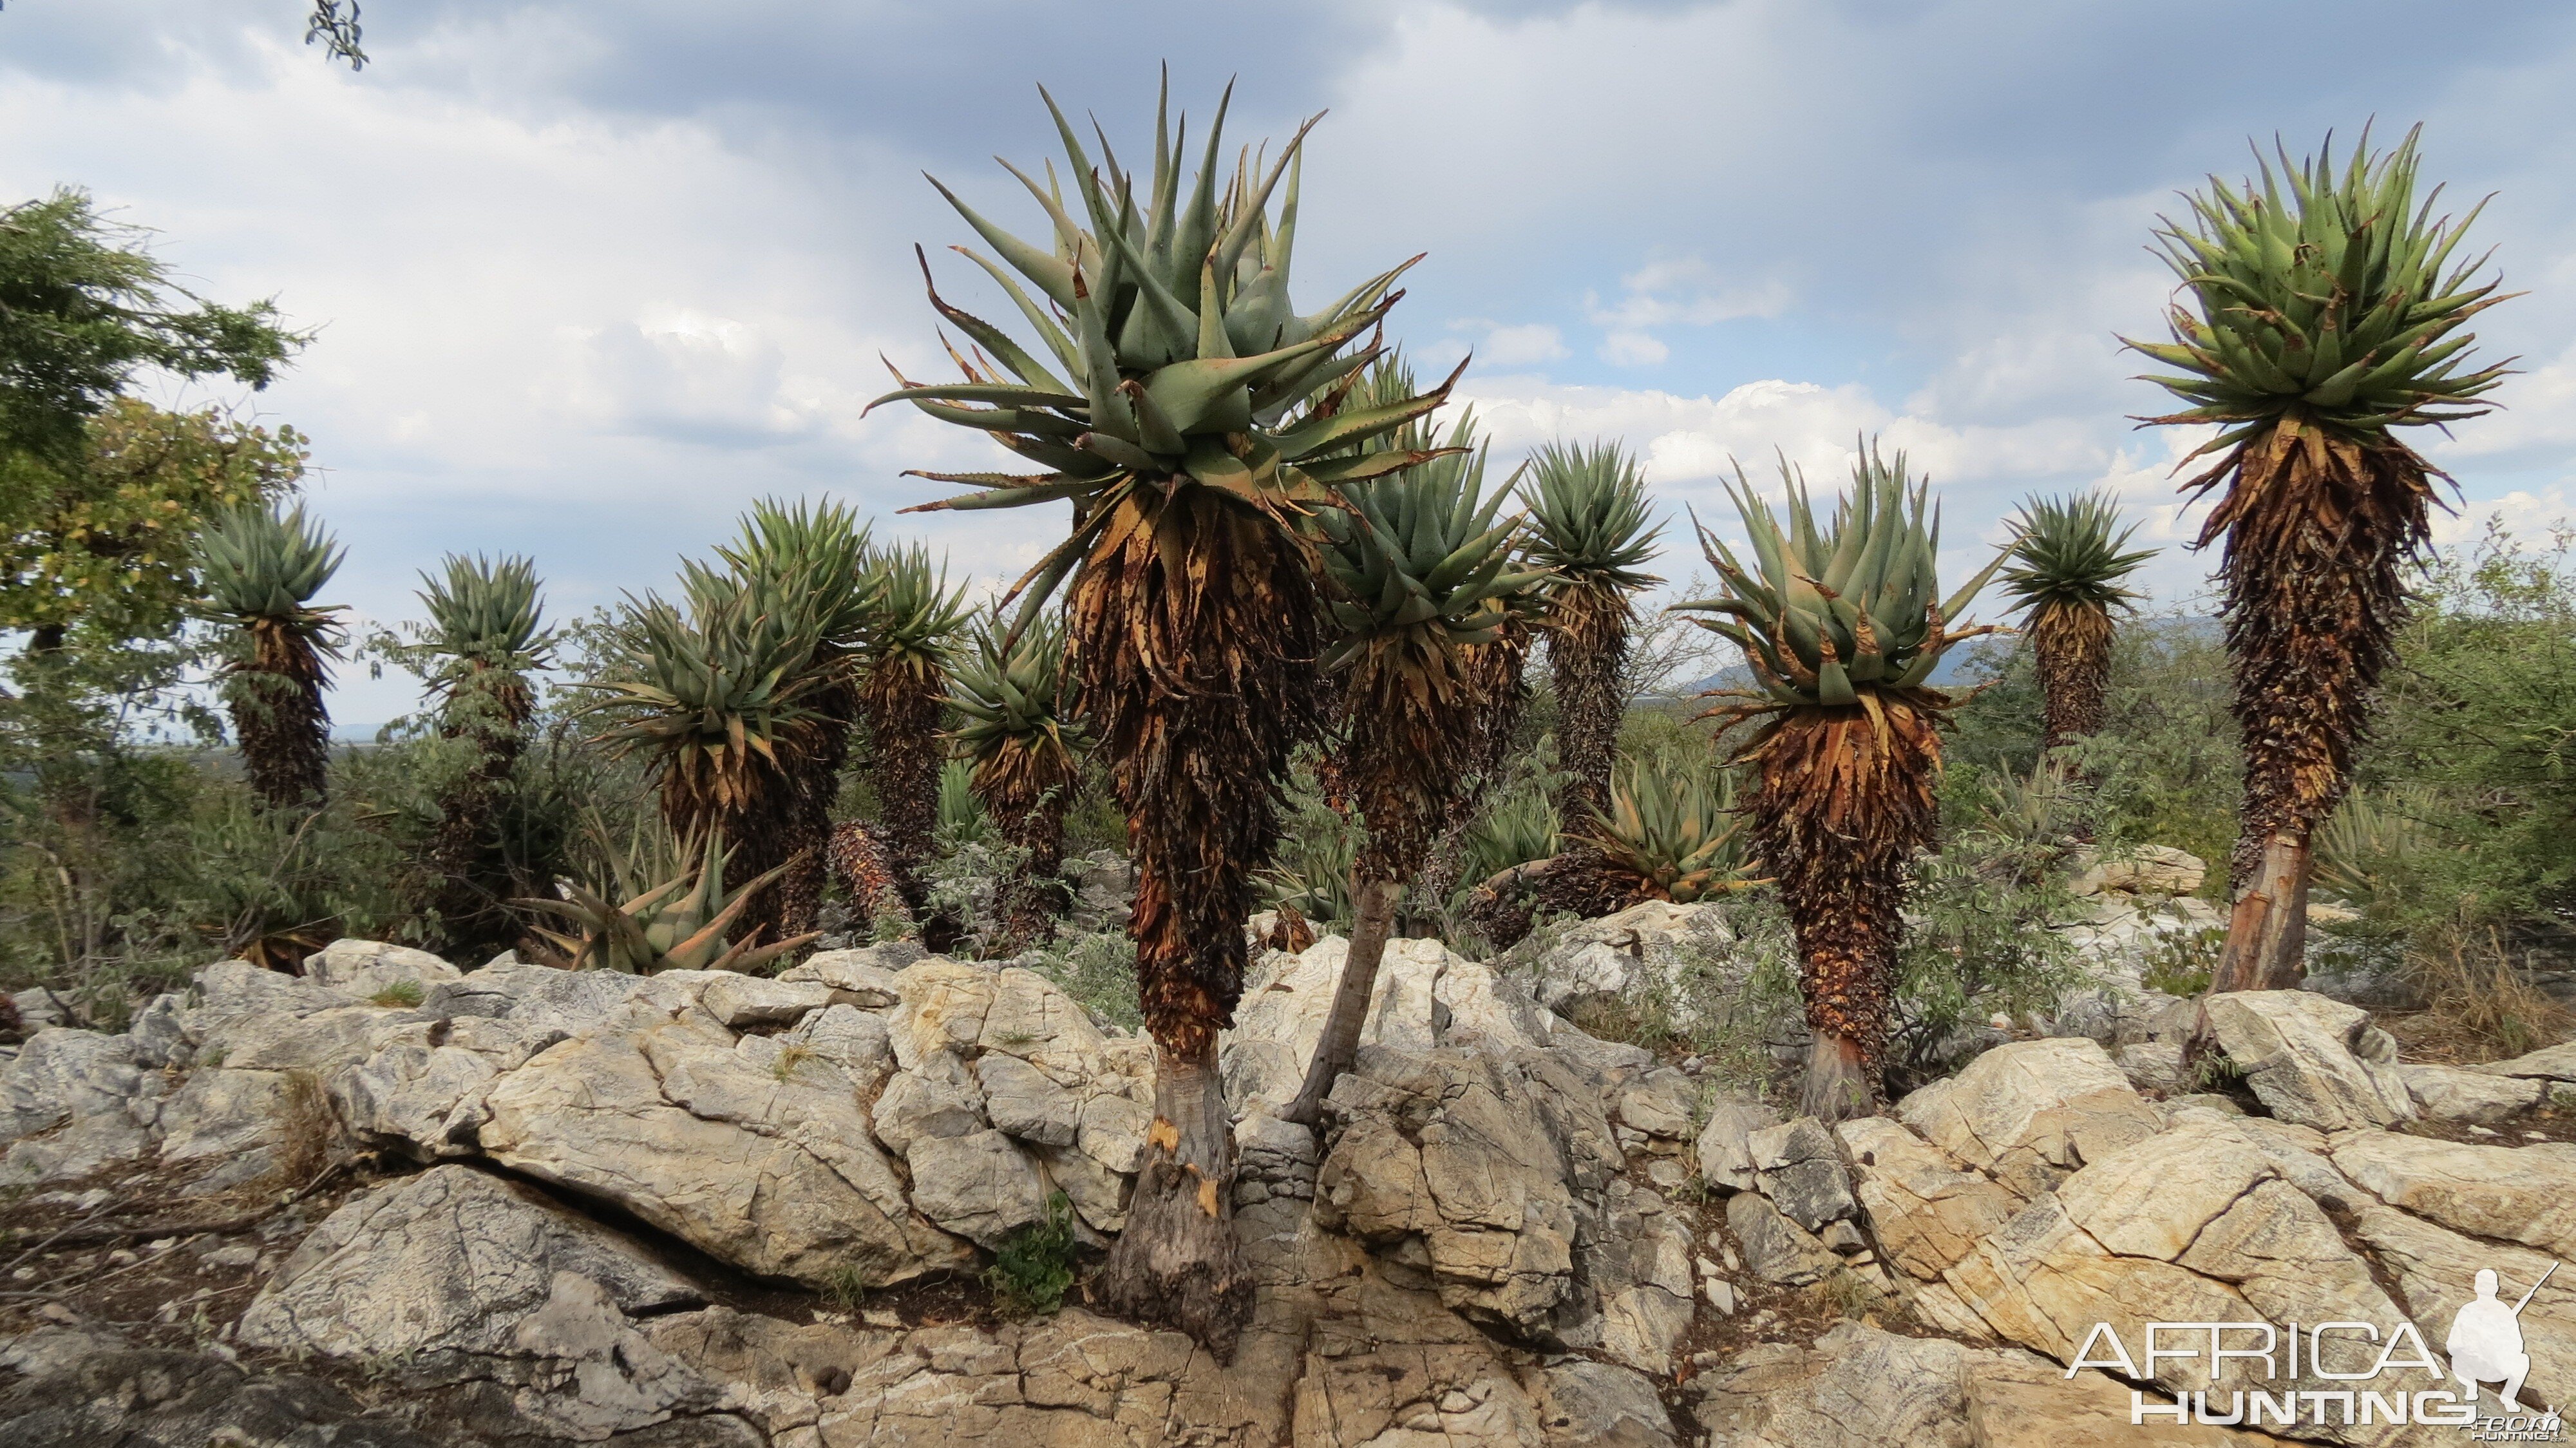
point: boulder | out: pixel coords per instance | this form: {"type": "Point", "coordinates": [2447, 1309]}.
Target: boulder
{"type": "Point", "coordinates": [1025, 1102]}
{"type": "Point", "coordinates": [368, 968]}
{"type": "Point", "coordinates": [1776, 1249]}
{"type": "Point", "coordinates": [1474, 1163]}
{"type": "Point", "coordinates": [68, 1106]}
{"type": "Point", "coordinates": [2193, 1225]}
{"type": "Point", "coordinates": [2523, 1194]}
{"type": "Point", "coordinates": [1800, 1169]}
{"type": "Point", "coordinates": [2435, 1271]}
{"type": "Point", "coordinates": [2146, 870]}
{"type": "Point", "coordinates": [1425, 996]}
{"type": "Point", "coordinates": [442, 1269]}
{"type": "Point", "coordinates": [251, 1124]}
{"type": "Point", "coordinates": [1600, 1404]}
{"type": "Point", "coordinates": [977, 1185]}
{"type": "Point", "coordinates": [1618, 956]}
{"type": "Point", "coordinates": [78, 1388]}
{"type": "Point", "coordinates": [1641, 1270]}
{"type": "Point", "coordinates": [2550, 1063]}
{"type": "Point", "coordinates": [2311, 1060]}
{"type": "Point", "coordinates": [748, 1002]}
{"type": "Point", "coordinates": [2449, 1093]}
{"type": "Point", "coordinates": [1926, 1212]}
{"type": "Point", "coordinates": [865, 977]}
{"type": "Point", "coordinates": [665, 1114]}
{"type": "Point", "coordinates": [2032, 1112]}
{"type": "Point", "coordinates": [1725, 1147]}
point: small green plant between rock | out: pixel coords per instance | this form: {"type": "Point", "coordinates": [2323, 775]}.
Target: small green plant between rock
{"type": "Point", "coordinates": [401, 993]}
{"type": "Point", "coordinates": [1034, 1265]}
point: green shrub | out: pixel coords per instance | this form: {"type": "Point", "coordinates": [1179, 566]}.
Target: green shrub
{"type": "Point", "coordinates": [400, 993]}
{"type": "Point", "coordinates": [1034, 1265]}
{"type": "Point", "coordinates": [1098, 971]}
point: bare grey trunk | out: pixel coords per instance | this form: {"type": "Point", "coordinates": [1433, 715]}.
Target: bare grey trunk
{"type": "Point", "coordinates": [1177, 1262]}
{"type": "Point", "coordinates": [1338, 1049]}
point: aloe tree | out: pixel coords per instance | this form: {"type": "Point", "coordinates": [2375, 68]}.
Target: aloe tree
{"type": "Point", "coordinates": [903, 692]}
{"type": "Point", "coordinates": [2066, 577]}
{"type": "Point", "coordinates": [261, 570]}
{"type": "Point", "coordinates": [1195, 428]}
{"type": "Point", "coordinates": [1842, 627]}
{"type": "Point", "coordinates": [486, 633]}
{"type": "Point", "coordinates": [816, 559]}
{"type": "Point", "coordinates": [1423, 576]}
{"type": "Point", "coordinates": [719, 700]}
{"type": "Point", "coordinates": [1017, 732]}
{"type": "Point", "coordinates": [2314, 321]}
{"type": "Point", "coordinates": [1589, 528]}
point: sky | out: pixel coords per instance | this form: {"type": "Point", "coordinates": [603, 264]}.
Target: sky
{"type": "Point", "coordinates": [589, 276]}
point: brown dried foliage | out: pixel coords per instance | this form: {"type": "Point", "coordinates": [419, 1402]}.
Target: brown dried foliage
{"type": "Point", "coordinates": [1192, 640]}
{"type": "Point", "coordinates": [1587, 643]}
{"type": "Point", "coordinates": [275, 696]}
{"type": "Point", "coordinates": [2072, 642]}
{"type": "Point", "coordinates": [1026, 785]}
{"type": "Point", "coordinates": [2318, 530]}
{"type": "Point", "coordinates": [902, 699]}
{"type": "Point", "coordinates": [1842, 800]}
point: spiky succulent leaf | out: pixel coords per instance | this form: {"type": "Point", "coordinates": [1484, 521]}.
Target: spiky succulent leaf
{"type": "Point", "coordinates": [1178, 359]}
{"type": "Point", "coordinates": [917, 615]}
{"type": "Point", "coordinates": [679, 924]}
{"type": "Point", "coordinates": [486, 613]}
{"type": "Point", "coordinates": [712, 693]}
{"type": "Point", "coordinates": [1010, 690]}
{"type": "Point", "coordinates": [1589, 516]}
{"type": "Point", "coordinates": [261, 567]}
{"type": "Point", "coordinates": [815, 556]}
{"type": "Point", "coordinates": [2070, 554]}
{"type": "Point", "coordinates": [1422, 566]}
{"type": "Point", "coordinates": [1674, 830]}
{"type": "Point", "coordinates": [1834, 616]}
{"type": "Point", "coordinates": [2322, 299]}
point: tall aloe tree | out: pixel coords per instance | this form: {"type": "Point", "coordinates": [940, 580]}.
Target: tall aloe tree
{"type": "Point", "coordinates": [1195, 426]}
{"type": "Point", "coordinates": [1018, 733]}
{"type": "Point", "coordinates": [1422, 576]}
{"type": "Point", "coordinates": [821, 552]}
{"type": "Point", "coordinates": [903, 691]}
{"type": "Point", "coordinates": [719, 700]}
{"type": "Point", "coordinates": [486, 632]}
{"type": "Point", "coordinates": [2320, 313]}
{"type": "Point", "coordinates": [261, 570]}
{"type": "Point", "coordinates": [1589, 528]}
{"type": "Point", "coordinates": [2066, 576]}
{"type": "Point", "coordinates": [1841, 627]}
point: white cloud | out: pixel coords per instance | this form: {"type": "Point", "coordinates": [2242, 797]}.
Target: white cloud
{"type": "Point", "coordinates": [1632, 349]}
{"type": "Point", "coordinates": [1499, 345]}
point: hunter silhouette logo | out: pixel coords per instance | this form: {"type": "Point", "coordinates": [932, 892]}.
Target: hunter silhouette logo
{"type": "Point", "coordinates": [2486, 1341]}
{"type": "Point", "coordinates": [2338, 1373]}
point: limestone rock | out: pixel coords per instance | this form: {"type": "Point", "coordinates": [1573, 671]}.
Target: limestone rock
{"type": "Point", "coordinates": [1801, 1170]}
{"type": "Point", "coordinates": [939, 1098]}
{"type": "Point", "coordinates": [1641, 1269]}
{"type": "Point", "coordinates": [448, 1262]}
{"type": "Point", "coordinates": [851, 1039]}
{"type": "Point", "coordinates": [67, 1106]}
{"type": "Point", "coordinates": [2435, 1272]}
{"type": "Point", "coordinates": [2550, 1063]}
{"type": "Point", "coordinates": [2523, 1194]}
{"type": "Point", "coordinates": [1021, 1100]}
{"type": "Point", "coordinates": [1856, 1385]}
{"type": "Point", "coordinates": [1725, 1151]}
{"type": "Point", "coordinates": [665, 1115]}
{"type": "Point", "coordinates": [2302, 1054]}
{"type": "Point", "coordinates": [977, 1185]}
{"type": "Point", "coordinates": [366, 968]}
{"type": "Point", "coordinates": [1776, 1249]}
{"type": "Point", "coordinates": [1480, 1160]}
{"type": "Point", "coordinates": [1927, 1213]}
{"type": "Point", "coordinates": [865, 976]}
{"type": "Point", "coordinates": [251, 1124]}
{"type": "Point", "coordinates": [1619, 955]}
{"type": "Point", "coordinates": [2147, 870]}
{"type": "Point", "coordinates": [748, 1001]}
{"type": "Point", "coordinates": [82, 1388]}
{"type": "Point", "coordinates": [1425, 995]}
{"type": "Point", "coordinates": [2031, 1112]}
{"type": "Point", "coordinates": [2448, 1093]}
{"type": "Point", "coordinates": [420, 1087]}
{"type": "Point", "coordinates": [1657, 1102]}
{"type": "Point", "coordinates": [1599, 1404]}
